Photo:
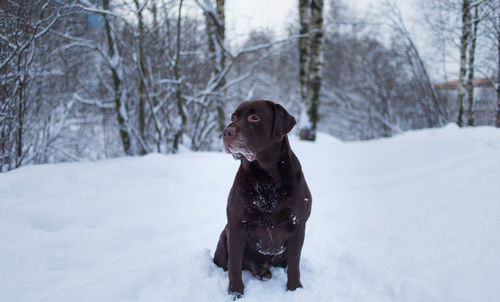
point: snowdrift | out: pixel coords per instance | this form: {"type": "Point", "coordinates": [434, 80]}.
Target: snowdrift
{"type": "Point", "coordinates": [410, 218]}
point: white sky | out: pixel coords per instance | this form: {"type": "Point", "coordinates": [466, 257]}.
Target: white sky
{"type": "Point", "coordinates": [242, 16]}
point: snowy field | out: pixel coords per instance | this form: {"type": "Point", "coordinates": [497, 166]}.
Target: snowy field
{"type": "Point", "coordinates": [411, 218]}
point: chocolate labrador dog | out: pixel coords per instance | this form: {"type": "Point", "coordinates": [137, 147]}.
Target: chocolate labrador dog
{"type": "Point", "coordinates": [269, 203]}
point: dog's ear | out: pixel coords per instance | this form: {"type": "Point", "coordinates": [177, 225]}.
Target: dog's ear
{"type": "Point", "coordinates": [283, 122]}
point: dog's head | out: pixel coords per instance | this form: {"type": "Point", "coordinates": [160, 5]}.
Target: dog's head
{"type": "Point", "coordinates": [255, 126]}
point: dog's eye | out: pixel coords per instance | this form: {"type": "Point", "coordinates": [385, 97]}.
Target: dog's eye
{"type": "Point", "coordinates": [233, 118]}
{"type": "Point", "coordinates": [253, 118]}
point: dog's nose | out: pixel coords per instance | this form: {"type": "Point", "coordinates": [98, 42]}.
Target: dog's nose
{"type": "Point", "coordinates": [228, 132]}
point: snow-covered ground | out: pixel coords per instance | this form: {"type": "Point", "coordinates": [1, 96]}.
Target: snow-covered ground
{"type": "Point", "coordinates": [411, 218]}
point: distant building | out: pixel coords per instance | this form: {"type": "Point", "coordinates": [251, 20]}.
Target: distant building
{"type": "Point", "coordinates": [484, 100]}
{"type": "Point", "coordinates": [453, 85]}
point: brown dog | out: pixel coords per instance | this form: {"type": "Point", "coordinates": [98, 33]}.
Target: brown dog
{"type": "Point", "coordinates": [269, 203]}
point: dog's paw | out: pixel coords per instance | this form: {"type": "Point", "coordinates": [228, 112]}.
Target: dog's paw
{"type": "Point", "coordinates": [235, 290]}
{"type": "Point", "coordinates": [293, 285]}
{"type": "Point", "coordinates": [235, 295]}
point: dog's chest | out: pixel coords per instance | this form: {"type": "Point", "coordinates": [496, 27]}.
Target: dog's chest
{"type": "Point", "coordinates": [266, 197]}
{"type": "Point", "coordinates": [269, 215]}
{"type": "Point", "coordinates": [268, 208]}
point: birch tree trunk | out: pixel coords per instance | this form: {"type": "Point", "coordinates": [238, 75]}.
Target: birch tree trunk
{"type": "Point", "coordinates": [470, 81]}
{"type": "Point", "coordinates": [115, 65]}
{"type": "Point", "coordinates": [142, 71]}
{"type": "Point", "coordinates": [308, 129]}
{"type": "Point", "coordinates": [215, 23]}
{"type": "Point", "coordinates": [221, 62]}
{"type": "Point", "coordinates": [464, 40]}
{"type": "Point", "coordinates": [498, 75]}
{"type": "Point", "coordinates": [303, 49]}
{"type": "Point", "coordinates": [178, 92]}
{"type": "Point", "coordinates": [21, 104]}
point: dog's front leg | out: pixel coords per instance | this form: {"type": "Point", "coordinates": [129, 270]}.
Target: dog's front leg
{"type": "Point", "coordinates": [293, 248]}
{"type": "Point", "coordinates": [236, 240]}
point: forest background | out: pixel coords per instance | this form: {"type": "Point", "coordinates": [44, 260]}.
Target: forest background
{"type": "Point", "coordinates": [94, 79]}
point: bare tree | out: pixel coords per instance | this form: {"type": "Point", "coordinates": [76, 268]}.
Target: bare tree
{"type": "Point", "coordinates": [22, 27]}
{"type": "Point", "coordinates": [304, 16]}
{"type": "Point", "coordinates": [115, 64]}
{"type": "Point", "coordinates": [113, 78]}
{"type": "Point", "coordinates": [498, 72]}
{"type": "Point", "coordinates": [309, 116]}
{"type": "Point", "coordinates": [141, 69]}
{"type": "Point", "coordinates": [215, 28]}
{"type": "Point", "coordinates": [178, 92]}
{"type": "Point", "coordinates": [434, 111]}
{"type": "Point", "coordinates": [464, 44]}
{"type": "Point", "coordinates": [494, 31]}
{"type": "Point", "coordinates": [472, 52]}
{"type": "Point", "coordinates": [475, 38]}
